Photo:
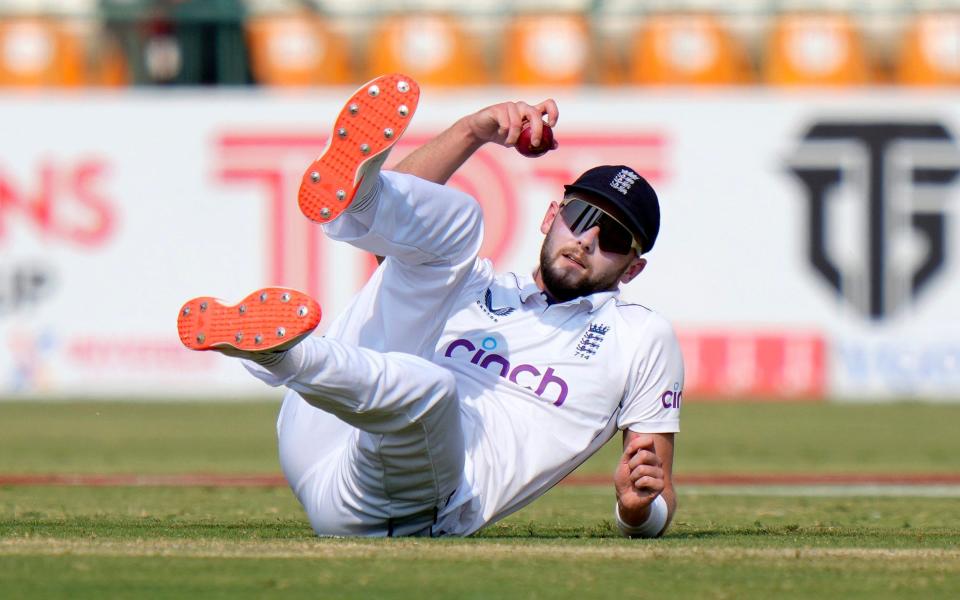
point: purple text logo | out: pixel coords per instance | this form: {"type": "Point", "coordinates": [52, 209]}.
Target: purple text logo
{"type": "Point", "coordinates": [672, 398]}
{"type": "Point", "coordinates": [522, 375]}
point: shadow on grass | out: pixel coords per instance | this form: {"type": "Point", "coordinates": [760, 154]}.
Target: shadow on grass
{"type": "Point", "coordinates": [297, 530]}
{"type": "Point", "coordinates": [755, 535]}
{"type": "Point", "coordinates": [541, 530]}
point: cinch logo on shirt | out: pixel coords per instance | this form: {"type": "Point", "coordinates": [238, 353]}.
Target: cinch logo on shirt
{"type": "Point", "coordinates": [483, 358]}
{"type": "Point", "coordinates": [672, 398]}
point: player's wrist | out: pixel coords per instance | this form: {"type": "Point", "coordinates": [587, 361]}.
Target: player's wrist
{"type": "Point", "coordinates": [633, 513]}
{"type": "Point", "coordinates": [471, 129]}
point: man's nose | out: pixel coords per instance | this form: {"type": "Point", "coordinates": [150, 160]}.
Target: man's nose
{"type": "Point", "coordinates": [590, 238]}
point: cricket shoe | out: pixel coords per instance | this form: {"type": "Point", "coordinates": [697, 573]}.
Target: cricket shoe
{"type": "Point", "coordinates": [347, 171]}
{"type": "Point", "coordinates": [261, 327]}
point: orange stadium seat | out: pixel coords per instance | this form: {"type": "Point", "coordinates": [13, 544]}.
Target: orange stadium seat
{"type": "Point", "coordinates": [547, 50]}
{"type": "Point", "coordinates": [107, 65]}
{"type": "Point", "coordinates": [39, 52]}
{"type": "Point", "coordinates": [433, 49]}
{"type": "Point", "coordinates": [112, 69]}
{"type": "Point", "coordinates": [930, 51]}
{"type": "Point", "coordinates": [816, 49]}
{"type": "Point", "coordinates": [677, 49]}
{"type": "Point", "coordinates": [296, 50]}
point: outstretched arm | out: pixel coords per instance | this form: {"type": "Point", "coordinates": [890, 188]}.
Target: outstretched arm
{"type": "Point", "coordinates": [644, 473]}
{"type": "Point", "coordinates": [501, 123]}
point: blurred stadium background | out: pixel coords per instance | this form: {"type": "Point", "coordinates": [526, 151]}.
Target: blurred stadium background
{"type": "Point", "coordinates": [116, 43]}
{"type": "Point", "coordinates": [805, 151]}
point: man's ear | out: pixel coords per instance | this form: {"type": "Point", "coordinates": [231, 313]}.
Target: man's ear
{"type": "Point", "coordinates": [636, 266]}
{"type": "Point", "coordinates": [548, 218]}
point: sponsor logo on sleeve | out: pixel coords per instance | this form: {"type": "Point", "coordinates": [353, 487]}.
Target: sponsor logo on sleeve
{"type": "Point", "coordinates": [672, 398]}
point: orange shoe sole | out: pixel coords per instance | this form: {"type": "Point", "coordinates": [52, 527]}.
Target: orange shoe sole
{"type": "Point", "coordinates": [371, 122]}
{"type": "Point", "coordinates": [265, 320]}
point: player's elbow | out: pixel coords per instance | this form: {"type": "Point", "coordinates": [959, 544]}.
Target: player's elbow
{"type": "Point", "coordinates": [469, 228]}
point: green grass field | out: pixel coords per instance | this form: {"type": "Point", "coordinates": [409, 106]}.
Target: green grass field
{"type": "Point", "coordinates": [241, 542]}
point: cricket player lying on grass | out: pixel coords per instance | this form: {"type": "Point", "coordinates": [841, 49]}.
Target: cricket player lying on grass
{"type": "Point", "coordinates": [448, 396]}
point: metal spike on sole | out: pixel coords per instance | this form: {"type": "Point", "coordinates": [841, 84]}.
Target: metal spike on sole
{"type": "Point", "coordinates": [290, 315]}
{"type": "Point", "coordinates": [372, 123]}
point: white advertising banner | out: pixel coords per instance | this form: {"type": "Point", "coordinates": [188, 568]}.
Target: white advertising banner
{"type": "Point", "coordinates": [810, 246]}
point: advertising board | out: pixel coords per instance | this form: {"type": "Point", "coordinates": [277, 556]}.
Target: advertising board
{"type": "Point", "coordinates": [809, 246]}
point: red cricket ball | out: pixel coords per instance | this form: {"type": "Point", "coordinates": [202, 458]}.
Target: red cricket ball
{"type": "Point", "coordinates": [524, 146]}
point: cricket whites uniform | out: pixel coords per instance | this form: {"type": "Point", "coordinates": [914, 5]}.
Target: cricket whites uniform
{"type": "Point", "coordinates": [447, 396]}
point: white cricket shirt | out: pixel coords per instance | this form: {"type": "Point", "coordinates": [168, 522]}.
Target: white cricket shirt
{"type": "Point", "coordinates": [543, 387]}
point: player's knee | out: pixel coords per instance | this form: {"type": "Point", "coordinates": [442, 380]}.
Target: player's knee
{"type": "Point", "coordinates": [417, 386]}
{"type": "Point", "coordinates": [440, 395]}
{"type": "Point", "coordinates": [446, 385]}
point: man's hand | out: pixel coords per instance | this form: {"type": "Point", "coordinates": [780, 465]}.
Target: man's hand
{"type": "Point", "coordinates": [639, 477]}
{"type": "Point", "coordinates": [438, 159]}
{"type": "Point", "coordinates": [502, 123]}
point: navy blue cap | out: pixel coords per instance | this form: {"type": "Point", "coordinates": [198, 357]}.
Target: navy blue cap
{"type": "Point", "coordinates": [631, 196]}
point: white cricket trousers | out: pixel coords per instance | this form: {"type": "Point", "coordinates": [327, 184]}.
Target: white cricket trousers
{"type": "Point", "coordinates": [370, 438]}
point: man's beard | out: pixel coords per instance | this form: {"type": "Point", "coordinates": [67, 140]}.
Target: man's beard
{"type": "Point", "coordinates": [564, 285]}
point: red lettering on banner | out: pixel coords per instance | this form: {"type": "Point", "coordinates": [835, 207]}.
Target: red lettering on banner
{"type": "Point", "coordinates": [86, 181]}
{"type": "Point", "coordinates": [275, 187]}
{"type": "Point", "coordinates": [143, 354]}
{"type": "Point", "coordinates": [275, 164]}
{"type": "Point", "coordinates": [65, 203]}
{"type": "Point", "coordinates": [754, 365]}
{"type": "Point", "coordinates": [493, 175]}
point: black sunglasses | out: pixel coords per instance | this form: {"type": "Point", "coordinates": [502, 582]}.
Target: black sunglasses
{"type": "Point", "coordinates": [580, 215]}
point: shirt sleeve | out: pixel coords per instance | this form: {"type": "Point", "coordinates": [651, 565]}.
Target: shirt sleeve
{"type": "Point", "coordinates": [415, 221]}
{"type": "Point", "coordinates": [653, 398]}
